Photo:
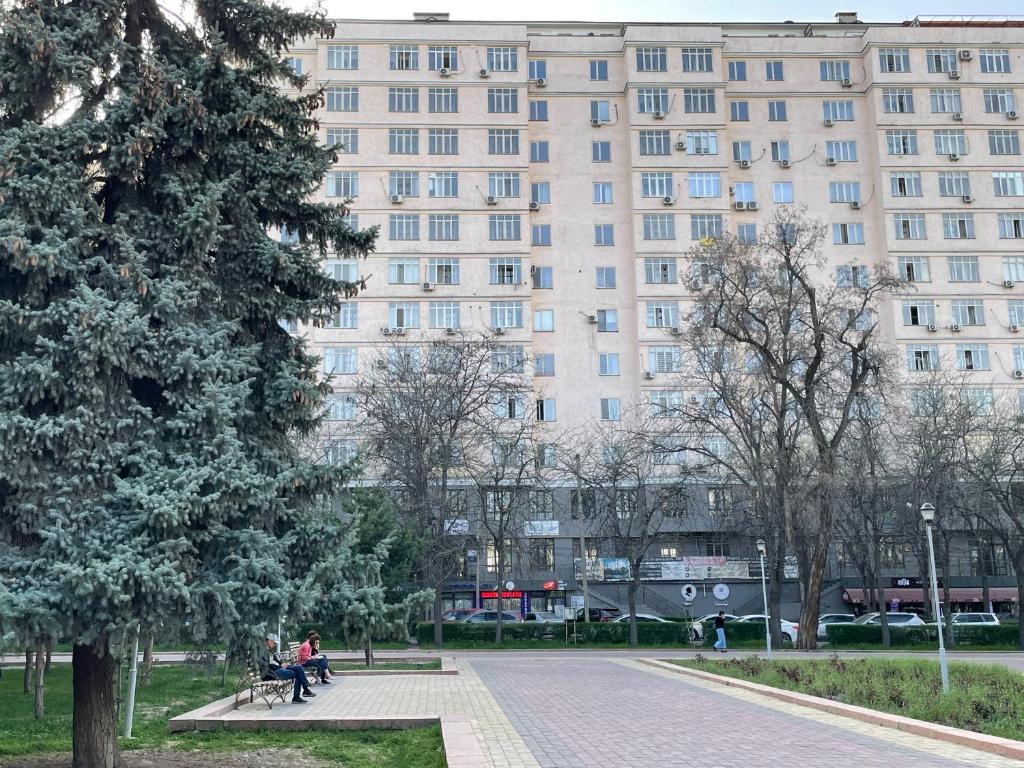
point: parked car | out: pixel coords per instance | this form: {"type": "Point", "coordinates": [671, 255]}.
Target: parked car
{"type": "Point", "coordinates": [641, 617]}
{"type": "Point", "coordinates": [482, 616]}
{"type": "Point", "coordinates": [456, 614]}
{"type": "Point", "coordinates": [789, 628]}
{"type": "Point", "coordinates": [832, 618]}
{"type": "Point", "coordinates": [976, 619]}
{"type": "Point", "coordinates": [542, 617]}
{"type": "Point", "coordinates": [599, 614]}
{"type": "Point", "coordinates": [698, 624]}
{"type": "Point", "coordinates": [895, 619]}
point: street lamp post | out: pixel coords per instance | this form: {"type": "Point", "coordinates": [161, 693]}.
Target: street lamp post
{"type": "Point", "coordinates": [928, 515]}
{"type": "Point", "coordinates": [762, 550]}
{"type": "Point", "coordinates": [578, 465]}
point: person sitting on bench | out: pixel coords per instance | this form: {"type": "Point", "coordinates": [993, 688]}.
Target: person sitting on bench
{"type": "Point", "coordinates": [309, 656]}
{"type": "Point", "coordinates": [273, 669]}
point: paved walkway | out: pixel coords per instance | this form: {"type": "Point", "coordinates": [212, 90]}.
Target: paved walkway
{"type": "Point", "coordinates": [528, 710]}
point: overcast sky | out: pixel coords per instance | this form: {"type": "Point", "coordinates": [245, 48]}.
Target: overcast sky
{"type": "Point", "coordinates": [660, 10]}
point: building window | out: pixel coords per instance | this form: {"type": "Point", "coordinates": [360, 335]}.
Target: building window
{"type": "Point", "coordinates": [909, 226]}
{"type": "Point", "coordinates": [914, 269]}
{"type": "Point", "coordinates": [503, 226]}
{"type": "Point", "coordinates": [343, 140]}
{"type": "Point", "coordinates": [945, 100]}
{"type": "Point", "coordinates": [341, 407]}
{"type": "Point", "coordinates": [702, 142]}
{"type": "Point", "coordinates": [972, 357]}
{"type": "Point", "coordinates": [342, 184]}
{"type": "Point", "coordinates": [601, 110]}
{"type": "Point", "coordinates": [844, 192]}
{"type": "Point", "coordinates": [506, 270]}
{"type": "Point", "coordinates": [540, 235]}
{"type": "Point", "coordinates": [958, 226]}
{"type": "Point", "coordinates": [546, 409]}
{"type": "Point", "coordinates": [542, 554]}
{"type": "Point", "coordinates": [536, 69]}
{"type": "Point", "coordinates": [655, 142]}
{"type": "Point", "coordinates": [605, 277]}
{"type": "Point", "coordinates": [599, 69]}
{"type": "Point", "coordinates": [950, 142]}
{"type": "Point", "coordinates": [442, 99]}
{"type": "Point", "coordinates": [782, 192]}
{"type": "Point", "coordinates": [443, 226]}
{"type": "Point", "coordinates": [544, 320]}
{"type": "Point", "coordinates": [503, 184]}
{"type": "Point", "coordinates": [442, 184]}
{"type": "Point", "coordinates": [994, 60]}
{"type": "Point", "coordinates": [905, 184]}
{"type": "Point", "coordinates": [403, 271]}
{"type": "Point", "coordinates": [607, 321]}
{"type": "Point", "coordinates": [704, 184]}
{"type": "Point", "coordinates": [656, 184]}
{"type": "Point", "coordinates": [601, 151]}
{"type": "Point", "coordinates": [841, 151]}
{"type": "Point", "coordinates": [897, 100]}
{"type": "Point", "coordinates": [852, 275]}
{"type": "Point", "coordinates": [659, 226]}
{"type": "Point", "coordinates": [442, 57]}
{"type": "Point", "coordinates": [404, 314]}
{"type": "Point", "coordinates": [780, 151]}
{"type": "Point", "coordinates": [894, 59]}
{"type": "Point", "coordinates": [502, 100]}
{"type": "Point", "coordinates": [1004, 142]}
{"type": "Point", "coordinates": [662, 314]}
{"type": "Point", "coordinates": [338, 452]}
{"type": "Point", "coordinates": [1011, 226]}
{"type": "Point", "coordinates": [705, 225]}
{"type": "Point", "coordinates": [1008, 183]}
{"type": "Point", "coordinates": [444, 314]}
{"type": "Point", "coordinates": [664, 360]}
{"type": "Point", "coordinates": [611, 410]}
{"type": "Point", "coordinates": [739, 111]}
{"type": "Point", "coordinates": [963, 269]}
{"type": "Point", "coordinates": [608, 364]}
{"type": "Point", "coordinates": [720, 503]}
{"type": "Point", "coordinates": [746, 233]}
{"type": "Point", "coordinates": [403, 141]}
{"type": "Point", "coordinates": [544, 364]}
{"type": "Point", "coordinates": [968, 311]}
{"type": "Point", "coordinates": [742, 150]}
{"type": "Point", "coordinates": [604, 234]}
{"type": "Point", "coordinates": [602, 193]}
{"type": "Point", "coordinates": [848, 234]}
{"type": "Point", "coordinates": [505, 59]}
{"type": "Point", "coordinates": [404, 183]}
{"type": "Point", "coordinates": [901, 142]}
{"type": "Point", "coordinates": [403, 226]}
{"type": "Point", "coordinates": [342, 99]}
{"type": "Point", "coordinates": [1013, 268]}
{"type": "Point", "coordinates": [697, 60]}
{"type": "Point", "coordinates": [538, 110]}
{"type": "Point", "coordinates": [941, 60]}
{"type": "Point", "coordinates": [443, 141]}
{"type": "Point", "coordinates": [737, 70]}
{"type": "Point", "coordinates": [346, 318]}
{"type": "Point", "coordinates": [922, 357]}
{"type": "Point", "coordinates": [651, 59]}
{"type": "Point", "coordinates": [539, 152]}
{"type": "Point", "coordinates": [837, 111]}
{"type": "Point", "coordinates": [698, 100]}
{"type": "Point", "coordinates": [507, 359]}
{"type": "Point", "coordinates": [998, 100]}
{"type": "Point", "coordinates": [403, 99]}
{"type": "Point", "coordinates": [340, 361]}
{"type": "Point", "coordinates": [776, 111]}
{"type": "Point", "coordinates": [543, 277]}
{"type": "Point", "coordinates": [506, 314]}
{"type": "Point", "coordinates": [342, 57]}
{"type": "Point", "coordinates": [918, 312]}
{"type": "Point", "coordinates": [404, 57]}
{"type": "Point", "coordinates": [652, 100]}
{"type": "Point", "coordinates": [503, 141]}
{"type": "Point", "coordinates": [831, 70]}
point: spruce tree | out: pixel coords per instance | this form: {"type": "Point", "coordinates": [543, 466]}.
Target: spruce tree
{"type": "Point", "coordinates": [149, 398]}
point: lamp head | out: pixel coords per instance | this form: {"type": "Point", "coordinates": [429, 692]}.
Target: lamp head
{"type": "Point", "coordinates": [762, 548]}
{"type": "Point", "coordinates": [928, 513]}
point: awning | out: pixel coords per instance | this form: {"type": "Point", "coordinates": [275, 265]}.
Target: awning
{"type": "Point", "coordinates": [956, 594]}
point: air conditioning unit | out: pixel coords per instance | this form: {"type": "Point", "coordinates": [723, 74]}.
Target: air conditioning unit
{"type": "Point", "coordinates": [595, 122]}
{"type": "Point", "coordinates": [444, 72]}
{"type": "Point", "coordinates": [659, 115]}
{"type": "Point", "coordinates": [954, 74]}
{"type": "Point", "coordinates": [955, 328]}
{"type": "Point", "coordinates": [830, 161]}
{"type": "Point", "coordinates": [1018, 373]}
{"type": "Point", "coordinates": [968, 198]}
{"type": "Point", "coordinates": [932, 328]}
{"type": "Point", "coordinates": [499, 331]}
{"type": "Point", "coordinates": [450, 331]}
{"type": "Point", "coordinates": [958, 116]}
{"type": "Point", "coordinates": [1011, 115]}
{"type": "Point", "coordinates": [1008, 283]}
{"type": "Point", "coordinates": [540, 82]}
{"type": "Point", "coordinates": [696, 286]}
{"type": "Point", "coordinates": [667, 200]}
{"type": "Point", "coordinates": [954, 156]}
{"type": "Point", "coordinates": [1014, 328]}
{"type": "Point", "coordinates": [428, 286]}
{"type": "Point", "coordinates": [491, 200]}
{"type": "Point", "coordinates": [534, 205]}
{"type": "Point", "coordinates": [694, 400]}
{"type": "Point", "coordinates": [681, 146]}
{"type": "Point", "coordinates": [964, 55]}
{"type": "Point", "coordinates": [676, 331]}
{"type": "Point", "coordinates": [386, 331]}
{"type": "Point", "coordinates": [592, 319]}
{"type": "Point", "coordinates": [855, 205]}
{"type": "Point", "coordinates": [397, 199]}
{"type": "Point", "coordinates": [829, 122]}
{"type": "Point", "coordinates": [847, 82]}
{"type": "Point", "coordinates": [648, 375]}
{"type": "Point", "coordinates": [398, 331]}
{"type": "Point", "coordinates": [381, 364]}
{"type": "Point", "coordinates": [784, 163]}
{"type": "Point", "coordinates": [484, 72]}
{"type": "Point", "coordinates": [744, 163]}
{"type": "Point", "coordinates": [739, 205]}
{"type": "Point", "coordinates": [752, 205]}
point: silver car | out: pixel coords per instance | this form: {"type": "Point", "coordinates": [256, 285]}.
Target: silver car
{"type": "Point", "coordinates": [894, 619]}
{"type": "Point", "coordinates": [975, 619]}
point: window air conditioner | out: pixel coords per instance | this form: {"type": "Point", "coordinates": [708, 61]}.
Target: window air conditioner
{"type": "Point", "coordinates": [1008, 283]}
{"type": "Point", "coordinates": [954, 156]}
{"type": "Point", "coordinates": [399, 331]}
{"type": "Point", "coordinates": [450, 331]}
{"type": "Point", "coordinates": [648, 375]}
{"type": "Point", "coordinates": [829, 122]}
{"type": "Point", "coordinates": [595, 122]}
{"type": "Point", "coordinates": [1018, 373]}
{"type": "Point", "coordinates": [659, 115]}
{"type": "Point", "coordinates": [444, 72]}
{"type": "Point", "coordinates": [534, 205]}
{"type": "Point", "coordinates": [752, 205]}
{"type": "Point", "coordinates": [397, 199]}
{"type": "Point", "coordinates": [667, 200]}
{"type": "Point", "coordinates": [675, 331]}
{"type": "Point", "coordinates": [954, 74]}
{"type": "Point", "coordinates": [830, 161]}
{"type": "Point", "coordinates": [968, 198]}
{"type": "Point", "coordinates": [847, 82]}
{"type": "Point", "coordinates": [484, 73]}
{"type": "Point", "coordinates": [784, 163]}
{"type": "Point", "coordinates": [592, 319]}
{"type": "Point", "coordinates": [955, 328]}
{"type": "Point", "coordinates": [1011, 115]}
{"type": "Point", "coordinates": [932, 328]}
{"type": "Point", "coordinates": [428, 286]}
{"type": "Point", "coordinates": [958, 116]}
{"type": "Point", "coordinates": [744, 163]}
{"type": "Point", "coordinates": [855, 205]}
{"type": "Point", "coordinates": [681, 146]}
{"type": "Point", "coordinates": [540, 82]}
{"type": "Point", "coordinates": [1014, 328]}
{"type": "Point", "coordinates": [964, 55]}
{"type": "Point", "coordinates": [499, 331]}
{"type": "Point", "coordinates": [491, 200]}
{"type": "Point", "coordinates": [696, 286]}
{"type": "Point", "coordinates": [386, 331]}
{"type": "Point", "coordinates": [740, 205]}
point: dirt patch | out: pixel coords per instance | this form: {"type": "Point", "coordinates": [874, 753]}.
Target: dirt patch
{"type": "Point", "coordinates": [161, 758]}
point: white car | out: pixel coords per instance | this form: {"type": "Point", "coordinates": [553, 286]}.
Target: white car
{"type": "Point", "coordinates": [832, 618]}
{"type": "Point", "coordinates": [894, 619]}
{"type": "Point", "coordinates": [698, 624]}
{"type": "Point", "coordinates": [542, 617]}
{"type": "Point", "coordinates": [789, 628]}
{"type": "Point", "coordinates": [641, 617]}
{"type": "Point", "coordinates": [975, 619]}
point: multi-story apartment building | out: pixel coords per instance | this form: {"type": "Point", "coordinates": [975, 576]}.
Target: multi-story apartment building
{"type": "Point", "coordinates": [548, 179]}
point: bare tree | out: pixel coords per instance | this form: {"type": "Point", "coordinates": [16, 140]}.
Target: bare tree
{"type": "Point", "coordinates": [814, 334]}
{"type": "Point", "coordinates": [423, 406]}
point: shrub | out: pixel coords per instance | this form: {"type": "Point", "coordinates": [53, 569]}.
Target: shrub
{"type": "Point", "coordinates": [871, 634]}
{"type": "Point", "coordinates": [736, 633]}
{"type": "Point", "coordinates": [650, 633]}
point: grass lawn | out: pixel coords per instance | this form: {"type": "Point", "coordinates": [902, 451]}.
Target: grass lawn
{"type": "Point", "coordinates": [987, 699]}
{"type": "Point", "coordinates": [176, 689]}
{"type": "Point", "coordinates": [344, 666]}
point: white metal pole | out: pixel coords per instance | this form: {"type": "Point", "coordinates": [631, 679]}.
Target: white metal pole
{"type": "Point", "coordinates": [944, 671]}
{"type": "Point", "coordinates": [767, 626]}
{"type": "Point", "coordinates": [133, 676]}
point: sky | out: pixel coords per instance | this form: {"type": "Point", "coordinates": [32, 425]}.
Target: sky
{"type": "Point", "coordinates": [661, 10]}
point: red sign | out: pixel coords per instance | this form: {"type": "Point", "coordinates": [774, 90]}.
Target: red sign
{"type": "Point", "coordinates": [550, 584]}
{"type": "Point", "coordinates": [492, 595]}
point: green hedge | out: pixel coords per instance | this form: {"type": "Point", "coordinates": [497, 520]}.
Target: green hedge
{"type": "Point", "coordinates": [736, 632]}
{"type": "Point", "coordinates": [650, 633]}
{"type": "Point", "coordinates": [871, 634]}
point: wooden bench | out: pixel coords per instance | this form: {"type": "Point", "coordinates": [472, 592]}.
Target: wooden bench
{"type": "Point", "coordinates": [269, 691]}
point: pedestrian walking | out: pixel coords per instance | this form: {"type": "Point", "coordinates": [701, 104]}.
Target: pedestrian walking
{"type": "Point", "coordinates": [720, 631]}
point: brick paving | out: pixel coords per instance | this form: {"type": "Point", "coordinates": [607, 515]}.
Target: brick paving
{"type": "Point", "coordinates": [611, 713]}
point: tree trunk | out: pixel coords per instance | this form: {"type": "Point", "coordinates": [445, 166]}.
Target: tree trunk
{"type": "Point", "coordinates": [368, 650]}
{"type": "Point", "coordinates": [634, 635]}
{"type": "Point", "coordinates": [27, 683]}
{"type": "Point", "coordinates": [776, 575]}
{"type": "Point", "coordinates": [986, 594]}
{"type": "Point", "coordinates": [807, 640]}
{"type": "Point", "coordinates": [1019, 569]}
{"type": "Point", "coordinates": [94, 733]}
{"type": "Point", "coordinates": [147, 659]}
{"type": "Point", "coordinates": [883, 617]}
{"type": "Point", "coordinates": [945, 619]}
{"type": "Point", "coordinates": [499, 625]}
{"type": "Point", "coordinates": [438, 610]}
{"type": "Point", "coordinates": [40, 671]}
{"type": "Point", "coordinates": [49, 652]}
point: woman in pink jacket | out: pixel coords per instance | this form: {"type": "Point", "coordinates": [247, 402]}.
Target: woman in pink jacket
{"type": "Point", "coordinates": [309, 656]}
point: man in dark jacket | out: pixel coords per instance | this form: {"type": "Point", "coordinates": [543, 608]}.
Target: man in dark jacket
{"type": "Point", "coordinates": [274, 669]}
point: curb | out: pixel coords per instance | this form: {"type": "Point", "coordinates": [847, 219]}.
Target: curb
{"type": "Point", "coordinates": [979, 741]}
